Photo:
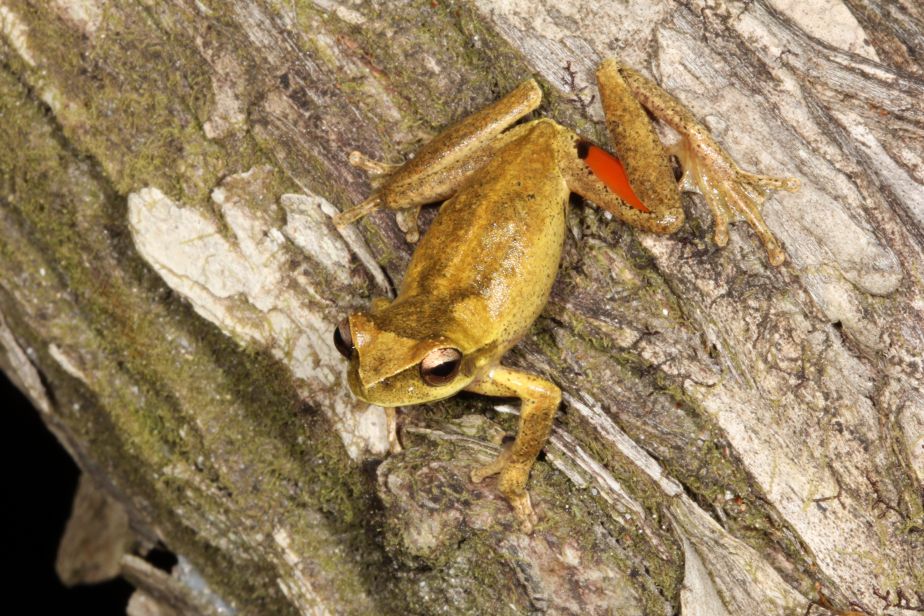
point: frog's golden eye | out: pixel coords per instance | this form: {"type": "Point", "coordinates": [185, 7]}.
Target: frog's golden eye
{"type": "Point", "coordinates": [440, 366]}
{"type": "Point", "coordinates": [343, 339]}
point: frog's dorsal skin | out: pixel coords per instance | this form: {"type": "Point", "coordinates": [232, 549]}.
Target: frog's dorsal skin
{"type": "Point", "coordinates": [496, 245]}
{"type": "Point", "coordinates": [484, 270]}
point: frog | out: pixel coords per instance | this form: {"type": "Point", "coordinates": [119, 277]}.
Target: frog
{"type": "Point", "coordinates": [482, 273]}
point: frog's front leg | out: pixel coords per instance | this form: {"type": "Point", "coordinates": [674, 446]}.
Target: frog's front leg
{"type": "Point", "coordinates": [540, 400]}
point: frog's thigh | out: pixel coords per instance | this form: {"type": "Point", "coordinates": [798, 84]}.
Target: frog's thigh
{"type": "Point", "coordinates": [608, 186]}
{"type": "Point", "coordinates": [640, 151]}
{"type": "Point", "coordinates": [638, 187]}
{"type": "Point", "coordinates": [540, 400]}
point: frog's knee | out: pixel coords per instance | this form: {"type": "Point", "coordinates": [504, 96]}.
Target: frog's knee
{"type": "Point", "coordinates": [668, 221]}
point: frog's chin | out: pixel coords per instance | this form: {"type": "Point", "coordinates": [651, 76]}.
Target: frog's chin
{"type": "Point", "coordinates": [388, 399]}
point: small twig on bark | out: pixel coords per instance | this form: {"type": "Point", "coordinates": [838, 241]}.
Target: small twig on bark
{"type": "Point", "coordinates": [578, 99]}
{"type": "Point", "coordinates": [881, 500]}
{"type": "Point", "coordinates": [901, 601]}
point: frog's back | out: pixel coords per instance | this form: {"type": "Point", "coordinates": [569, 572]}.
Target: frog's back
{"type": "Point", "coordinates": [493, 251]}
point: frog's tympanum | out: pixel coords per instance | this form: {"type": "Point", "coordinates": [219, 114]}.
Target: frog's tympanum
{"type": "Point", "coordinates": [483, 271]}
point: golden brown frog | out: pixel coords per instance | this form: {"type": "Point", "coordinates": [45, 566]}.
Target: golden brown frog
{"type": "Point", "coordinates": [483, 271]}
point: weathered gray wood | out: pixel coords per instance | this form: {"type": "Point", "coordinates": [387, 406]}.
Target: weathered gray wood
{"type": "Point", "coordinates": [734, 438]}
{"type": "Point", "coordinates": [95, 539]}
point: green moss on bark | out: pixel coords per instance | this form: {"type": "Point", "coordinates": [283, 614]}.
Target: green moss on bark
{"type": "Point", "coordinates": [169, 391]}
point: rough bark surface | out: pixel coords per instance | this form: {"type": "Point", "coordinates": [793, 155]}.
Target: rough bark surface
{"type": "Point", "coordinates": [734, 439]}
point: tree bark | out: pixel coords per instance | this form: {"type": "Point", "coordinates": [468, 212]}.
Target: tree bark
{"type": "Point", "coordinates": [734, 438]}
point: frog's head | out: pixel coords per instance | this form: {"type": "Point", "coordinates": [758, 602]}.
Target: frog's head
{"type": "Point", "coordinates": [389, 369]}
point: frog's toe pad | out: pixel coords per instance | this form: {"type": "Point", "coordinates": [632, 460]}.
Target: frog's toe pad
{"type": "Point", "coordinates": [721, 232]}
{"type": "Point", "coordinates": [407, 222]}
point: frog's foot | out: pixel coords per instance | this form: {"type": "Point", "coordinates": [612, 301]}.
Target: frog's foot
{"type": "Point", "coordinates": [379, 173]}
{"type": "Point", "coordinates": [732, 194]}
{"type": "Point", "coordinates": [356, 212]}
{"type": "Point", "coordinates": [512, 484]}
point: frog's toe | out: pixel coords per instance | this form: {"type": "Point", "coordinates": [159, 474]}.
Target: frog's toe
{"type": "Point", "coordinates": [770, 182]}
{"type": "Point", "coordinates": [720, 225]}
{"type": "Point", "coordinates": [512, 485]}
{"type": "Point", "coordinates": [407, 222]}
{"type": "Point", "coordinates": [746, 198]}
{"type": "Point", "coordinates": [715, 198]}
{"type": "Point", "coordinates": [775, 253]}
{"type": "Point", "coordinates": [482, 472]}
{"type": "Point", "coordinates": [371, 166]}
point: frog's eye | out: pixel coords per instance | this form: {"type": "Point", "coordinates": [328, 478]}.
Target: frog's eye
{"type": "Point", "coordinates": [440, 366]}
{"type": "Point", "coordinates": [343, 339]}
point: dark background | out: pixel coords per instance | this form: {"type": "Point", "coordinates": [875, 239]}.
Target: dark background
{"type": "Point", "coordinates": [43, 479]}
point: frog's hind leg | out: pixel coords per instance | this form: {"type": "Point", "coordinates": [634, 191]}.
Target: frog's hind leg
{"type": "Point", "coordinates": [638, 187]}
{"type": "Point", "coordinates": [441, 166]}
{"type": "Point", "coordinates": [730, 192]}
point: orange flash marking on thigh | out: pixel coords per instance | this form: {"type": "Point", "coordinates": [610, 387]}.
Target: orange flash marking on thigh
{"type": "Point", "coordinates": [611, 172]}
